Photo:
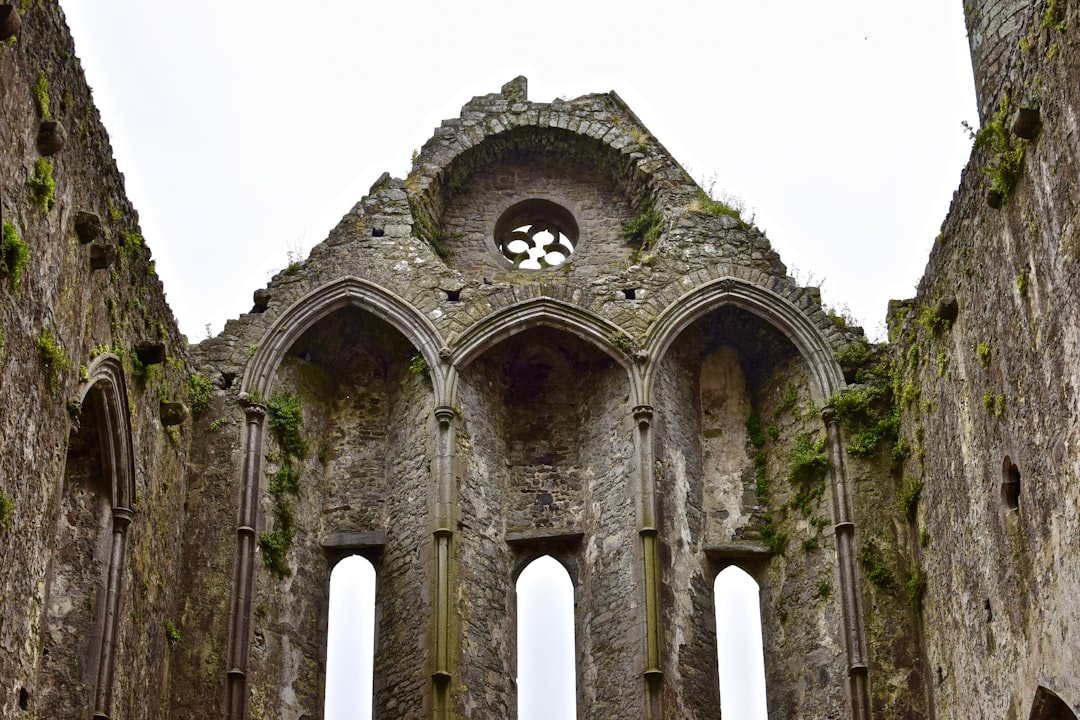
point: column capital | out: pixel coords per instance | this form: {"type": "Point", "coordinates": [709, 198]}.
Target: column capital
{"type": "Point", "coordinates": [643, 415]}
{"type": "Point", "coordinates": [122, 517]}
{"type": "Point", "coordinates": [445, 414]}
{"type": "Point", "coordinates": [254, 408]}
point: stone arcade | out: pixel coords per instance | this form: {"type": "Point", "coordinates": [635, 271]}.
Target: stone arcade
{"type": "Point", "coordinates": [545, 340]}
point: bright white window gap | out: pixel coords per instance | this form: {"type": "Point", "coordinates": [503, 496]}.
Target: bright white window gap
{"type": "Point", "coordinates": [738, 644]}
{"type": "Point", "coordinates": [545, 630]}
{"type": "Point", "coordinates": [350, 641]}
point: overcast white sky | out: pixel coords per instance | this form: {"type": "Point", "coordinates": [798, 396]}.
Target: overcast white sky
{"type": "Point", "coordinates": [247, 129]}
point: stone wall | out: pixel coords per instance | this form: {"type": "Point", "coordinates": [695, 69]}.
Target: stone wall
{"type": "Point", "coordinates": [997, 409]}
{"type": "Point", "coordinates": [89, 351]}
{"type": "Point", "coordinates": [662, 405]}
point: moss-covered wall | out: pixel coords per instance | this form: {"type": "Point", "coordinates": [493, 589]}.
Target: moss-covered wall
{"type": "Point", "coordinates": [956, 444]}
{"type": "Point", "coordinates": [81, 291]}
{"type": "Point", "coordinates": [992, 403]}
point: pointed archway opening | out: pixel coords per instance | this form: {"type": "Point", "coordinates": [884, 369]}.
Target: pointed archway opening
{"type": "Point", "coordinates": [76, 597]}
{"type": "Point", "coordinates": [740, 656]}
{"type": "Point", "coordinates": [546, 658]}
{"type": "Point", "coordinates": [350, 640]}
{"type": "Point", "coordinates": [1048, 706]}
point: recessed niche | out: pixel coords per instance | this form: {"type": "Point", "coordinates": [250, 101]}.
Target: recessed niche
{"type": "Point", "coordinates": [629, 294]}
{"type": "Point", "coordinates": [1010, 484]}
{"type": "Point", "coordinates": [151, 352]}
{"type": "Point", "coordinates": [536, 234]}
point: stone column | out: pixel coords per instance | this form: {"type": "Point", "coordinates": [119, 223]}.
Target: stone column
{"type": "Point", "coordinates": [647, 531]}
{"type": "Point", "coordinates": [103, 692]}
{"type": "Point", "coordinates": [243, 568]}
{"type": "Point", "coordinates": [443, 537]}
{"type": "Point", "coordinates": [851, 602]}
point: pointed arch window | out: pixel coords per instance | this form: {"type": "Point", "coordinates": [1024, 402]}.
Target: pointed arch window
{"type": "Point", "coordinates": [739, 646]}
{"type": "Point", "coordinates": [546, 659]}
{"type": "Point", "coordinates": [350, 640]}
{"type": "Point", "coordinates": [83, 587]}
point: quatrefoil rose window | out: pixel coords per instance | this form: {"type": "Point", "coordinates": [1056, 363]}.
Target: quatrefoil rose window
{"type": "Point", "coordinates": [536, 234]}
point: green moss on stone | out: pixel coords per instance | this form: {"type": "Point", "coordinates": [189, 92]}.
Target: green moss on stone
{"type": "Point", "coordinates": [41, 95]}
{"type": "Point", "coordinates": [14, 255]}
{"type": "Point", "coordinates": [42, 186]}
{"type": "Point", "coordinates": [52, 357]}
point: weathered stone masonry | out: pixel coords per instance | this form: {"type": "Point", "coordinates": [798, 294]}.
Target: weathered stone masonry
{"type": "Point", "coordinates": [662, 402]}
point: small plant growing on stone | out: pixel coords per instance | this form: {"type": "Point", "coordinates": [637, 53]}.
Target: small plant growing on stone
{"type": "Point", "coordinates": [286, 418]}
{"type": "Point", "coordinates": [824, 590]}
{"type": "Point", "coordinates": [643, 230]}
{"type": "Point", "coordinates": [809, 461]}
{"type": "Point", "coordinates": [199, 393]}
{"type": "Point", "coordinates": [916, 588]}
{"type": "Point", "coordinates": [130, 239]}
{"type": "Point", "coordinates": [909, 497]}
{"type": "Point", "coordinates": [788, 402]}
{"type": "Point", "coordinates": [42, 186]}
{"type": "Point", "coordinates": [721, 203]}
{"type": "Point", "coordinates": [41, 95]}
{"type": "Point", "coordinates": [1022, 284]}
{"type": "Point", "coordinates": [52, 357]}
{"type": "Point", "coordinates": [870, 413]}
{"type": "Point", "coordinates": [930, 319]}
{"type": "Point", "coordinates": [1052, 16]}
{"type": "Point", "coordinates": [418, 365]}
{"type": "Point", "coordinates": [172, 633]}
{"type": "Point", "coordinates": [773, 539]}
{"type": "Point", "coordinates": [877, 571]}
{"type": "Point", "coordinates": [285, 421]}
{"type": "Point", "coordinates": [621, 341]}
{"type": "Point", "coordinates": [14, 255]}
{"type": "Point", "coordinates": [7, 510]}
{"type": "Point", "coordinates": [983, 352]}
{"type": "Point", "coordinates": [1006, 152]}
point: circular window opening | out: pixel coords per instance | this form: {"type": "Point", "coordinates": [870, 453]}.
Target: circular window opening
{"type": "Point", "coordinates": [1010, 485]}
{"type": "Point", "coordinates": [536, 234]}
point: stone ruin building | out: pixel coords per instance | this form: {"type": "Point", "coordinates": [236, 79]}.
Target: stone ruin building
{"type": "Point", "coordinates": [655, 400]}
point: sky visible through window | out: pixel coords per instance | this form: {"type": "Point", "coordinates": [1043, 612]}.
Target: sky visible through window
{"type": "Point", "coordinates": [546, 656]}
{"type": "Point", "coordinates": [739, 647]}
{"type": "Point", "coordinates": [350, 646]}
{"type": "Point", "coordinates": [545, 630]}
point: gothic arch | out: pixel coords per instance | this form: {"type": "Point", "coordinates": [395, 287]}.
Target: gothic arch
{"type": "Point", "coordinates": [826, 379]}
{"type": "Point", "coordinates": [769, 306]}
{"type": "Point", "coordinates": [258, 379]}
{"type": "Point", "coordinates": [107, 454]}
{"type": "Point", "coordinates": [318, 304]}
{"type": "Point", "coordinates": [106, 377]}
{"type": "Point", "coordinates": [490, 331]}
